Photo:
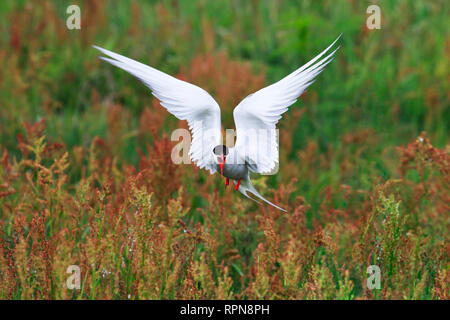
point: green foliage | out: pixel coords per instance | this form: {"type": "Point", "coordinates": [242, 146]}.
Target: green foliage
{"type": "Point", "coordinates": [86, 176]}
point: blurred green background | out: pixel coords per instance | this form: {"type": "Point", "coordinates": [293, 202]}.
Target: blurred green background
{"type": "Point", "coordinates": [393, 80]}
{"type": "Point", "coordinates": [388, 84]}
{"type": "Point", "coordinates": [383, 89]}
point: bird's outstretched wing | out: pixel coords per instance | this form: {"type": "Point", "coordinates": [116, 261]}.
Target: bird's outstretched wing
{"type": "Point", "coordinates": [256, 116]}
{"type": "Point", "coordinates": [182, 99]}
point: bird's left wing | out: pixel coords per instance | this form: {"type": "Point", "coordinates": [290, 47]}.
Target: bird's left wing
{"type": "Point", "coordinates": [185, 101]}
{"type": "Point", "coordinates": [256, 116]}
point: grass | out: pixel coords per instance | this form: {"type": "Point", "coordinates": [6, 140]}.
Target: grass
{"type": "Point", "coordinates": [86, 177]}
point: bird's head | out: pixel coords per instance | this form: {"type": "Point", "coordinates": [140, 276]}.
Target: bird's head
{"type": "Point", "coordinates": [220, 153]}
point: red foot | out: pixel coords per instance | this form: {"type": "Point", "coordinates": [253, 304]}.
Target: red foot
{"type": "Point", "coordinates": [237, 185]}
{"type": "Point", "coordinates": [227, 181]}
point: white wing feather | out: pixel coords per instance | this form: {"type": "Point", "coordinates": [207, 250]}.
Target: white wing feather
{"type": "Point", "coordinates": [182, 99]}
{"type": "Point", "coordinates": [261, 111]}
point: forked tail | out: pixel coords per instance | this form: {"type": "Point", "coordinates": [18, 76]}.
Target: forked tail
{"type": "Point", "coordinates": [246, 185]}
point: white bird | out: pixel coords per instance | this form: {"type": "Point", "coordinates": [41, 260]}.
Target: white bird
{"type": "Point", "coordinates": [258, 112]}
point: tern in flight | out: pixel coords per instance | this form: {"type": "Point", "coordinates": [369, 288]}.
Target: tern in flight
{"type": "Point", "coordinates": [258, 112]}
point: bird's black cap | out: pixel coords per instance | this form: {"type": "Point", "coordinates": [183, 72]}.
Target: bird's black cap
{"type": "Point", "coordinates": [220, 150]}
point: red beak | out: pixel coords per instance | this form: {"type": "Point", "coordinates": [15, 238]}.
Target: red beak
{"type": "Point", "coordinates": [221, 165]}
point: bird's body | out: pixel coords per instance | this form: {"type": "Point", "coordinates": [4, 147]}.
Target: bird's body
{"type": "Point", "coordinates": [234, 171]}
{"type": "Point", "coordinates": [255, 117]}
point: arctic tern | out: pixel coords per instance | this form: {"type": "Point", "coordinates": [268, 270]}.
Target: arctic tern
{"type": "Point", "coordinates": [258, 111]}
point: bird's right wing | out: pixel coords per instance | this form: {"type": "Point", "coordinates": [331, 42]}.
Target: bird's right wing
{"type": "Point", "coordinates": [185, 101]}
